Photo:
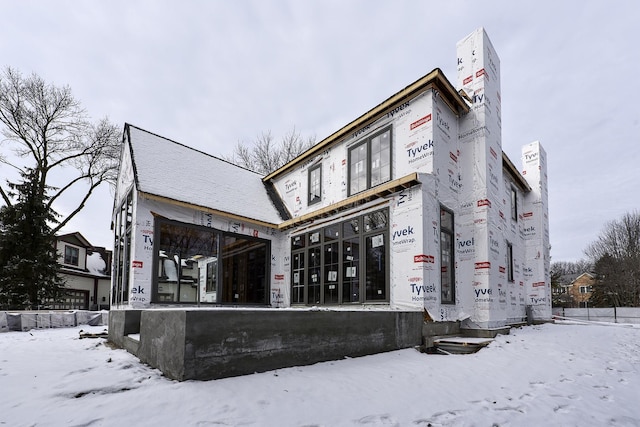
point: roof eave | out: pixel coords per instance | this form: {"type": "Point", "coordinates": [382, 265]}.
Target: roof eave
{"type": "Point", "coordinates": [218, 212]}
{"type": "Point", "coordinates": [378, 192]}
{"type": "Point", "coordinates": [508, 165]}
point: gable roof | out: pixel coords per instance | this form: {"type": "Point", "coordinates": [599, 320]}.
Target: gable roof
{"type": "Point", "coordinates": [587, 276]}
{"type": "Point", "coordinates": [435, 80]}
{"type": "Point", "coordinates": [173, 172]}
{"type": "Point", "coordinates": [74, 238]}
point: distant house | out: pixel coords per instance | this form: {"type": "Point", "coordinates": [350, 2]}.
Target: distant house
{"type": "Point", "coordinates": [86, 270]}
{"type": "Point", "coordinates": [573, 290]}
{"type": "Point", "coordinates": [581, 289]}
{"type": "Point", "coordinates": [561, 296]}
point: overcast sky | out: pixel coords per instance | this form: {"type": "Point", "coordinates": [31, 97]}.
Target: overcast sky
{"type": "Point", "coordinates": [211, 73]}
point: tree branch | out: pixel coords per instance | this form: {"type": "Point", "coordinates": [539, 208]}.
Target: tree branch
{"type": "Point", "coordinates": [5, 197]}
{"type": "Point", "coordinates": [68, 218]}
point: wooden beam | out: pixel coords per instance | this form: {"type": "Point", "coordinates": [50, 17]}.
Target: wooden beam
{"type": "Point", "coordinates": [360, 198]}
{"type": "Point", "coordinates": [208, 210]}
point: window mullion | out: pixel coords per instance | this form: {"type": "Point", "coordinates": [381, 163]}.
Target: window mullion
{"type": "Point", "coordinates": [362, 277]}
{"type": "Point", "coordinates": [369, 163]}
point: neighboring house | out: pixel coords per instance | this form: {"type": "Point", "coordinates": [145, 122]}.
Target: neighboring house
{"type": "Point", "coordinates": [581, 289]}
{"type": "Point", "coordinates": [87, 273]}
{"type": "Point", "coordinates": [560, 290]}
{"type": "Point", "coordinates": [411, 208]}
{"type": "Point", "coordinates": [573, 290]}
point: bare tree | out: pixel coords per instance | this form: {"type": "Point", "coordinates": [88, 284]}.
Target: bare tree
{"type": "Point", "coordinates": [265, 155]}
{"type": "Point", "coordinates": [48, 131]}
{"type": "Point", "coordinates": [616, 256]}
{"type": "Point", "coordinates": [563, 268]}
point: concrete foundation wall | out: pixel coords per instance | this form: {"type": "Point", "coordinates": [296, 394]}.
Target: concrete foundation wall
{"type": "Point", "coordinates": [210, 344]}
{"type": "Point", "coordinates": [123, 323]}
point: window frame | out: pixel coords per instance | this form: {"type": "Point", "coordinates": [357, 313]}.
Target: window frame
{"type": "Point", "coordinates": [310, 199]}
{"type": "Point", "coordinates": [368, 162]}
{"type": "Point", "coordinates": [71, 254]}
{"type": "Point", "coordinates": [301, 253]}
{"type": "Point", "coordinates": [122, 251]}
{"type": "Point", "coordinates": [452, 250]}
{"type": "Point", "coordinates": [219, 267]}
{"type": "Point", "coordinates": [509, 261]}
{"type": "Point", "coordinates": [514, 204]}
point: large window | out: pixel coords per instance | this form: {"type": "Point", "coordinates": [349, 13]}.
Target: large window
{"type": "Point", "coordinates": [71, 255]}
{"type": "Point", "coordinates": [342, 263]}
{"type": "Point", "coordinates": [297, 269]}
{"type": "Point", "coordinates": [244, 270]}
{"type": "Point", "coordinates": [315, 184]}
{"type": "Point", "coordinates": [122, 251]}
{"type": "Point", "coordinates": [447, 262]}
{"type": "Point", "coordinates": [203, 265]}
{"type": "Point", "coordinates": [370, 162]}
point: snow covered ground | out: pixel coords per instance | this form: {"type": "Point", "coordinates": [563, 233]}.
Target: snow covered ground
{"type": "Point", "coordinates": [547, 375]}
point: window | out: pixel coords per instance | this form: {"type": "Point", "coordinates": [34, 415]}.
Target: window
{"type": "Point", "coordinates": [514, 204]}
{"type": "Point", "coordinates": [447, 277]}
{"type": "Point", "coordinates": [204, 265]}
{"type": "Point", "coordinates": [71, 255]}
{"type": "Point", "coordinates": [509, 261]}
{"type": "Point", "coordinates": [244, 270]}
{"type": "Point", "coordinates": [342, 263]}
{"type": "Point", "coordinates": [370, 162]}
{"type": "Point", "coordinates": [331, 263]}
{"type": "Point", "coordinates": [585, 289]}
{"type": "Point", "coordinates": [313, 268]}
{"type": "Point", "coordinates": [122, 251]}
{"type": "Point", "coordinates": [212, 271]}
{"type": "Point", "coordinates": [298, 257]}
{"type": "Point", "coordinates": [351, 261]}
{"type": "Point", "coordinates": [375, 255]}
{"type": "Point", "coordinates": [315, 184]}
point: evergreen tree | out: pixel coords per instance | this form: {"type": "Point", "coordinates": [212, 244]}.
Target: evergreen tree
{"type": "Point", "coordinates": [28, 259]}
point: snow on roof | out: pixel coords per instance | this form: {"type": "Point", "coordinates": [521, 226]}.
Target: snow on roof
{"type": "Point", "coordinates": [96, 265]}
{"type": "Point", "coordinates": [169, 169]}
